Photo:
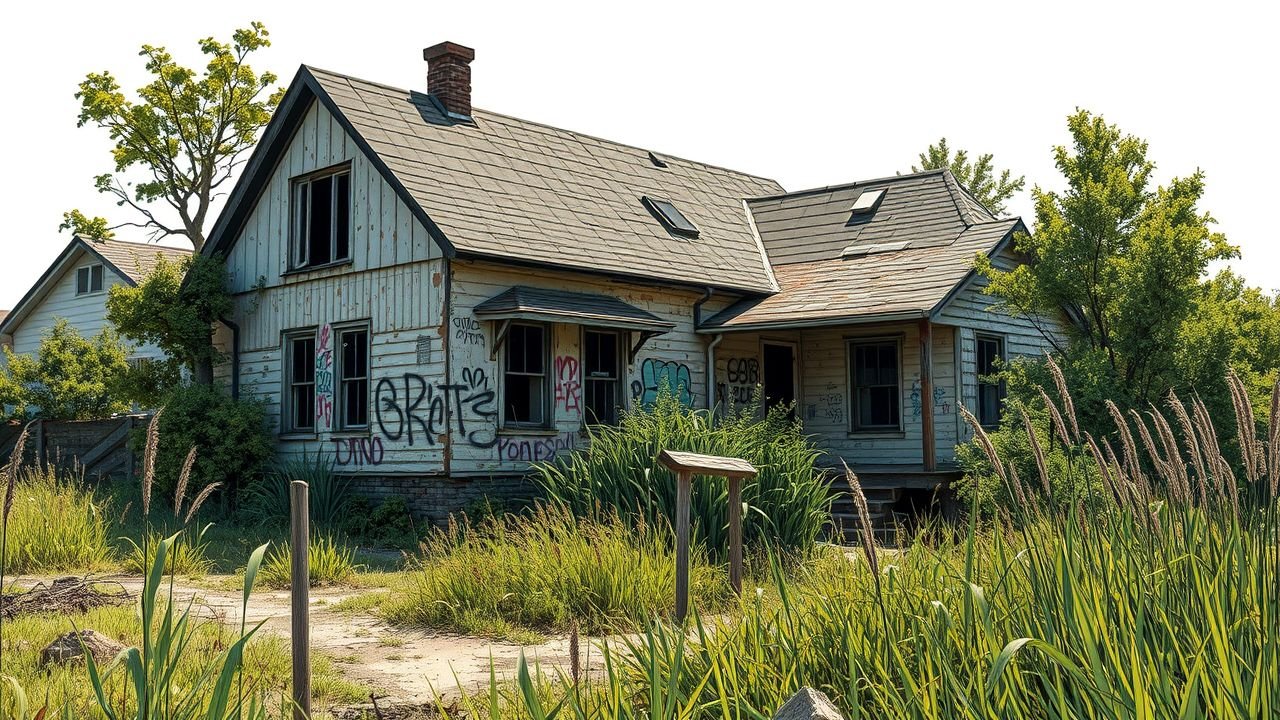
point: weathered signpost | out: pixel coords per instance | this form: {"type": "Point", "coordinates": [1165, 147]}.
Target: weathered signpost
{"type": "Point", "coordinates": [685, 466]}
{"type": "Point", "coordinates": [300, 572]}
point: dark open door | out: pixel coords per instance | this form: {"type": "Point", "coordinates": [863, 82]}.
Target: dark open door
{"type": "Point", "coordinates": [779, 374]}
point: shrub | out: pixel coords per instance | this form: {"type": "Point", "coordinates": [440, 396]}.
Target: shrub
{"type": "Point", "coordinates": [56, 524]}
{"type": "Point", "coordinates": [389, 524]}
{"type": "Point", "coordinates": [329, 495]}
{"type": "Point", "coordinates": [231, 438]}
{"type": "Point", "coordinates": [549, 571]}
{"type": "Point", "coordinates": [186, 555]}
{"type": "Point", "coordinates": [330, 563]}
{"type": "Point", "coordinates": [70, 377]}
{"type": "Point", "coordinates": [787, 503]}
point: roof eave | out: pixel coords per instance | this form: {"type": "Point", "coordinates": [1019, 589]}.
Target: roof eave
{"type": "Point", "coordinates": [870, 319]}
{"type": "Point", "coordinates": [55, 270]}
{"type": "Point", "coordinates": [995, 249]}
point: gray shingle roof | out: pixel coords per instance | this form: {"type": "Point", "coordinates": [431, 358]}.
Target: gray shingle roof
{"type": "Point", "coordinates": [513, 189]}
{"type": "Point", "coordinates": [135, 260]}
{"type": "Point", "coordinates": [833, 266]}
{"type": "Point", "coordinates": [579, 307]}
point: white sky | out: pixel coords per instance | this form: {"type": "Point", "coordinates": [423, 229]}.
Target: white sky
{"type": "Point", "coordinates": [809, 94]}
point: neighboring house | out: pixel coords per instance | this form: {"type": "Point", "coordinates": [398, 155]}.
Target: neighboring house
{"type": "Point", "coordinates": [437, 295]}
{"type": "Point", "coordinates": [75, 288]}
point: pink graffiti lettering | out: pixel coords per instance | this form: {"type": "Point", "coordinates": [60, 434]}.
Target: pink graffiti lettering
{"type": "Point", "coordinates": [358, 451]}
{"type": "Point", "coordinates": [535, 449]}
{"type": "Point", "coordinates": [568, 385]}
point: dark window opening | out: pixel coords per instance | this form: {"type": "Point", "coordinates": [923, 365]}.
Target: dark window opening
{"type": "Point", "coordinates": [601, 372]}
{"type": "Point", "coordinates": [301, 351]}
{"type": "Point", "coordinates": [525, 375]}
{"type": "Point", "coordinates": [353, 379]}
{"type": "Point", "coordinates": [877, 394]}
{"type": "Point", "coordinates": [89, 279]}
{"type": "Point", "coordinates": [322, 219]}
{"type": "Point", "coordinates": [779, 375]}
{"type": "Point", "coordinates": [671, 216]}
{"type": "Point", "coordinates": [991, 389]}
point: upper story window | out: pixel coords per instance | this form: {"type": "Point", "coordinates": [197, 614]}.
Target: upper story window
{"type": "Point", "coordinates": [89, 279]}
{"type": "Point", "coordinates": [876, 382]}
{"type": "Point", "coordinates": [300, 382]}
{"type": "Point", "coordinates": [525, 378]}
{"type": "Point", "coordinates": [990, 388]}
{"type": "Point", "coordinates": [321, 212]}
{"type": "Point", "coordinates": [353, 377]}
{"type": "Point", "coordinates": [601, 375]}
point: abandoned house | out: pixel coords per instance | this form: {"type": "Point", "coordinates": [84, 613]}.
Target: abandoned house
{"type": "Point", "coordinates": [437, 295]}
{"type": "Point", "coordinates": [75, 288]}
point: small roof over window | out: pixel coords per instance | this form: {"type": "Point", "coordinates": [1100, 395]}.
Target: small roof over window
{"type": "Point", "coordinates": [868, 201]}
{"type": "Point", "coordinates": [670, 216]}
{"type": "Point", "coordinates": [528, 303]}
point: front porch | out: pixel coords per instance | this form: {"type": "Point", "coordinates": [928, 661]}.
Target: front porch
{"type": "Point", "coordinates": [896, 495]}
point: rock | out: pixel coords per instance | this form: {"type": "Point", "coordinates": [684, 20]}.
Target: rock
{"type": "Point", "coordinates": [67, 648]}
{"type": "Point", "coordinates": [808, 704]}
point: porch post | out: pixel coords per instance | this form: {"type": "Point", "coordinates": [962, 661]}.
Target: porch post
{"type": "Point", "coordinates": [927, 437]}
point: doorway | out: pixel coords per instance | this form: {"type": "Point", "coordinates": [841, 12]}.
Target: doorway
{"type": "Point", "coordinates": [779, 374]}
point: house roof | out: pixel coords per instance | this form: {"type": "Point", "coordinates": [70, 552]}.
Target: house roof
{"type": "Point", "coordinates": [509, 189]}
{"type": "Point", "coordinates": [832, 266]}
{"type": "Point", "coordinates": [522, 302]}
{"type": "Point", "coordinates": [131, 261]}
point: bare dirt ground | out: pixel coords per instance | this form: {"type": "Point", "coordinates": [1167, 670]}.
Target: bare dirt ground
{"type": "Point", "coordinates": [404, 665]}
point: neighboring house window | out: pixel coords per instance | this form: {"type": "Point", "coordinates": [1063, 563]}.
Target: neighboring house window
{"type": "Point", "coordinates": [877, 393]}
{"type": "Point", "coordinates": [300, 382]}
{"type": "Point", "coordinates": [89, 279]}
{"type": "Point", "coordinates": [353, 378]}
{"type": "Point", "coordinates": [524, 380]}
{"type": "Point", "coordinates": [322, 218]}
{"type": "Point", "coordinates": [601, 374]}
{"type": "Point", "coordinates": [990, 390]}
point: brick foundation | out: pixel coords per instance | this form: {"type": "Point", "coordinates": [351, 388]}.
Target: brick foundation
{"type": "Point", "coordinates": [433, 498]}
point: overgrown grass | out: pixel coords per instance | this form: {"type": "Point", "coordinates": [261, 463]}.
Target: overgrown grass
{"type": "Point", "coordinates": [188, 556]}
{"type": "Point", "coordinates": [56, 525]}
{"type": "Point", "coordinates": [329, 563]}
{"type": "Point", "coordinates": [1160, 602]}
{"type": "Point", "coordinates": [522, 575]}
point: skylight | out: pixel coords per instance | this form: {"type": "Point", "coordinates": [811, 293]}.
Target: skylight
{"type": "Point", "coordinates": [868, 201]}
{"type": "Point", "coordinates": [670, 216]}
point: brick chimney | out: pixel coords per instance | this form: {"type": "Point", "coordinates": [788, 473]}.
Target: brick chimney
{"type": "Point", "coordinates": [449, 75]}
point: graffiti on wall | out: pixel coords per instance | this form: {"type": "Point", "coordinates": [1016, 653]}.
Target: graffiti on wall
{"type": "Point", "coordinates": [742, 376]}
{"type": "Point", "coordinates": [324, 378]}
{"type": "Point", "coordinates": [829, 407]}
{"type": "Point", "coordinates": [941, 404]}
{"type": "Point", "coordinates": [568, 384]}
{"type": "Point", "coordinates": [467, 331]}
{"type": "Point", "coordinates": [535, 449]}
{"type": "Point", "coordinates": [411, 410]}
{"type": "Point", "coordinates": [358, 451]}
{"type": "Point", "coordinates": [657, 374]}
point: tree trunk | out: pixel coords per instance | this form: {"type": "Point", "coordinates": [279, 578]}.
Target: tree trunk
{"type": "Point", "coordinates": [204, 371]}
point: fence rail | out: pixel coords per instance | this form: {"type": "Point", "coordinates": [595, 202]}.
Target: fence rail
{"type": "Point", "coordinates": [96, 448]}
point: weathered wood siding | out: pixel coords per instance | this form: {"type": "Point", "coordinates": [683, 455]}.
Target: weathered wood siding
{"type": "Point", "coordinates": [394, 282]}
{"type": "Point", "coordinates": [486, 448]}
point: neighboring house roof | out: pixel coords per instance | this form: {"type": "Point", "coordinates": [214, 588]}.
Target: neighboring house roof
{"type": "Point", "coordinates": [833, 266]}
{"type": "Point", "coordinates": [518, 191]}
{"type": "Point", "coordinates": [131, 261]}
{"type": "Point", "coordinates": [522, 302]}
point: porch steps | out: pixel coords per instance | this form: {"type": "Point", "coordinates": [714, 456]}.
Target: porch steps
{"type": "Point", "coordinates": [892, 493]}
{"type": "Point", "coordinates": [845, 526]}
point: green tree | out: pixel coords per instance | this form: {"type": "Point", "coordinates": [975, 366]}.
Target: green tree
{"type": "Point", "coordinates": [979, 178]}
{"type": "Point", "coordinates": [1122, 259]}
{"type": "Point", "coordinates": [176, 316]}
{"type": "Point", "coordinates": [70, 377]}
{"type": "Point", "coordinates": [179, 143]}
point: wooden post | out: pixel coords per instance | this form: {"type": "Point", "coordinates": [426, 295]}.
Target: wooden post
{"type": "Point", "coordinates": [685, 465]}
{"type": "Point", "coordinates": [301, 583]}
{"type": "Point", "coordinates": [927, 436]}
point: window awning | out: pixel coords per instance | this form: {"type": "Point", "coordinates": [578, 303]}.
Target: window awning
{"type": "Point", "coordinates": [527, 303]}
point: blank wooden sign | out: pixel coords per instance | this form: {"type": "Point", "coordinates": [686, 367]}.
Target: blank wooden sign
{"type": "Point", "coordinates": [685, 466]}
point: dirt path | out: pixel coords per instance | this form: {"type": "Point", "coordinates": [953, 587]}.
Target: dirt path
{"type": "Point", "coordinates": [401, 663]}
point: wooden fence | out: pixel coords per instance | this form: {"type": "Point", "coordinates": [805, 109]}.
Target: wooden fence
{"type": "Point", "coordinates": [96, 448]}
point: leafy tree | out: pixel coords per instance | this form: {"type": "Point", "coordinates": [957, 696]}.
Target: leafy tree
{"type": "Point", "coordinates": [979, 178]}
{"type": "Point", "coordinates": [70, 377]}
{"type": "Point", "coordinates": [180, 142]}
{"type": "Point", "coordinates": [1123, 259]}
{"type": "Point", "coordinates": [175, 316]}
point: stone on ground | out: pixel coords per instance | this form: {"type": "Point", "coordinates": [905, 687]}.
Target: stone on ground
{"type": "Point", "coordinates": [68, 647]}
{"type": "Point", "coordinates": [808, 704]}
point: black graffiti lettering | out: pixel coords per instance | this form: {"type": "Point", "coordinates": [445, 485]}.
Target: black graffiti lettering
{"type": "Point", "coordinates": [423, 410]}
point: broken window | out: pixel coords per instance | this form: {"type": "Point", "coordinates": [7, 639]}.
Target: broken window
{"type": "Point", "coordinates": [525, 375]}
{"type": "Point", "coordinates": [601, 374]}
{"type": "Point", "coordinates": [353, 378]}
{"type": "Point", "coordinates": [322, 218]}
{"type": "Point", "coordinates": [990, 388]}
{"type": "Point", "coordinates": [300, 362]}
{"type": "Point", "coordinates": [89, 279]}
{"type": "Point", "coordinates": [877, 392]}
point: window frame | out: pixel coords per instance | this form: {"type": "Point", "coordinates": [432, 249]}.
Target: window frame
{"type": "Point", "coordinates": [620, 371]}
{"type": "Point", "coordinates": [547, 421]}
{"type": "Point", "coordinates": [1001, 389]}
{"type": "Point", "coordinates": [299, 237]}
{"type": "Point", "coordinates": [339, 389]}
{"type": "Point", "coordinates": [287, 402]}
{"type": "Point", "coordinates": [88, 283]}
{"type": "Point", "coordinates": [655, 205]}
{"type": "Point", "coordinates": [851, 344]}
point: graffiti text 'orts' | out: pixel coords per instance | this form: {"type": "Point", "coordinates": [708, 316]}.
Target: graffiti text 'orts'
{"type": "Point", "coordinates": [409, 409]}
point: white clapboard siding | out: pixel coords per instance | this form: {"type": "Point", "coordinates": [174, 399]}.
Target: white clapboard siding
{"type": "Point", "coordinates": [490, 450]}
{"type": "Point", "coordinates": [384, 232]}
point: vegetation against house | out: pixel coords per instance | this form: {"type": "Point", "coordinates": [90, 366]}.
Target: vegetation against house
{"type": "Point", "coordinates": [993, 188]}
{"type": "Point", "coordinates": [70, 377]}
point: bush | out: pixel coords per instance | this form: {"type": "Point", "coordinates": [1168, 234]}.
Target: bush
{"type": "Point", "coordinates": [549, 571]}
{"type": "Point", "coordinates": [388, 524]}
{"type": "Point", "coordinates": [787, 503]}
{"type": "Point", "coordinates": [329, 495]}
{"type": "Point", "coordinates": [186, 555]}
{"type": "Point", "coordinates": [70, 377]}
{"type": "Point", "coordinates": [56, 524]}
{"type": "Point", "coordinates": [231, 438]}
{"type": "Point", "coordinates": [329, 563]}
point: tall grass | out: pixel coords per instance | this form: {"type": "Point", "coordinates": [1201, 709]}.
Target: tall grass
{"type": "Point", "coordinates": [55, 524]}
{"type": "Point", "coordinates": [329, 562]}
{"type": "Point", "coordinates": [1161, 602]}
{"type": "Point", "coordinates": [548, 571]}
{"type": "Point", "coordinates": [788, 502]}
